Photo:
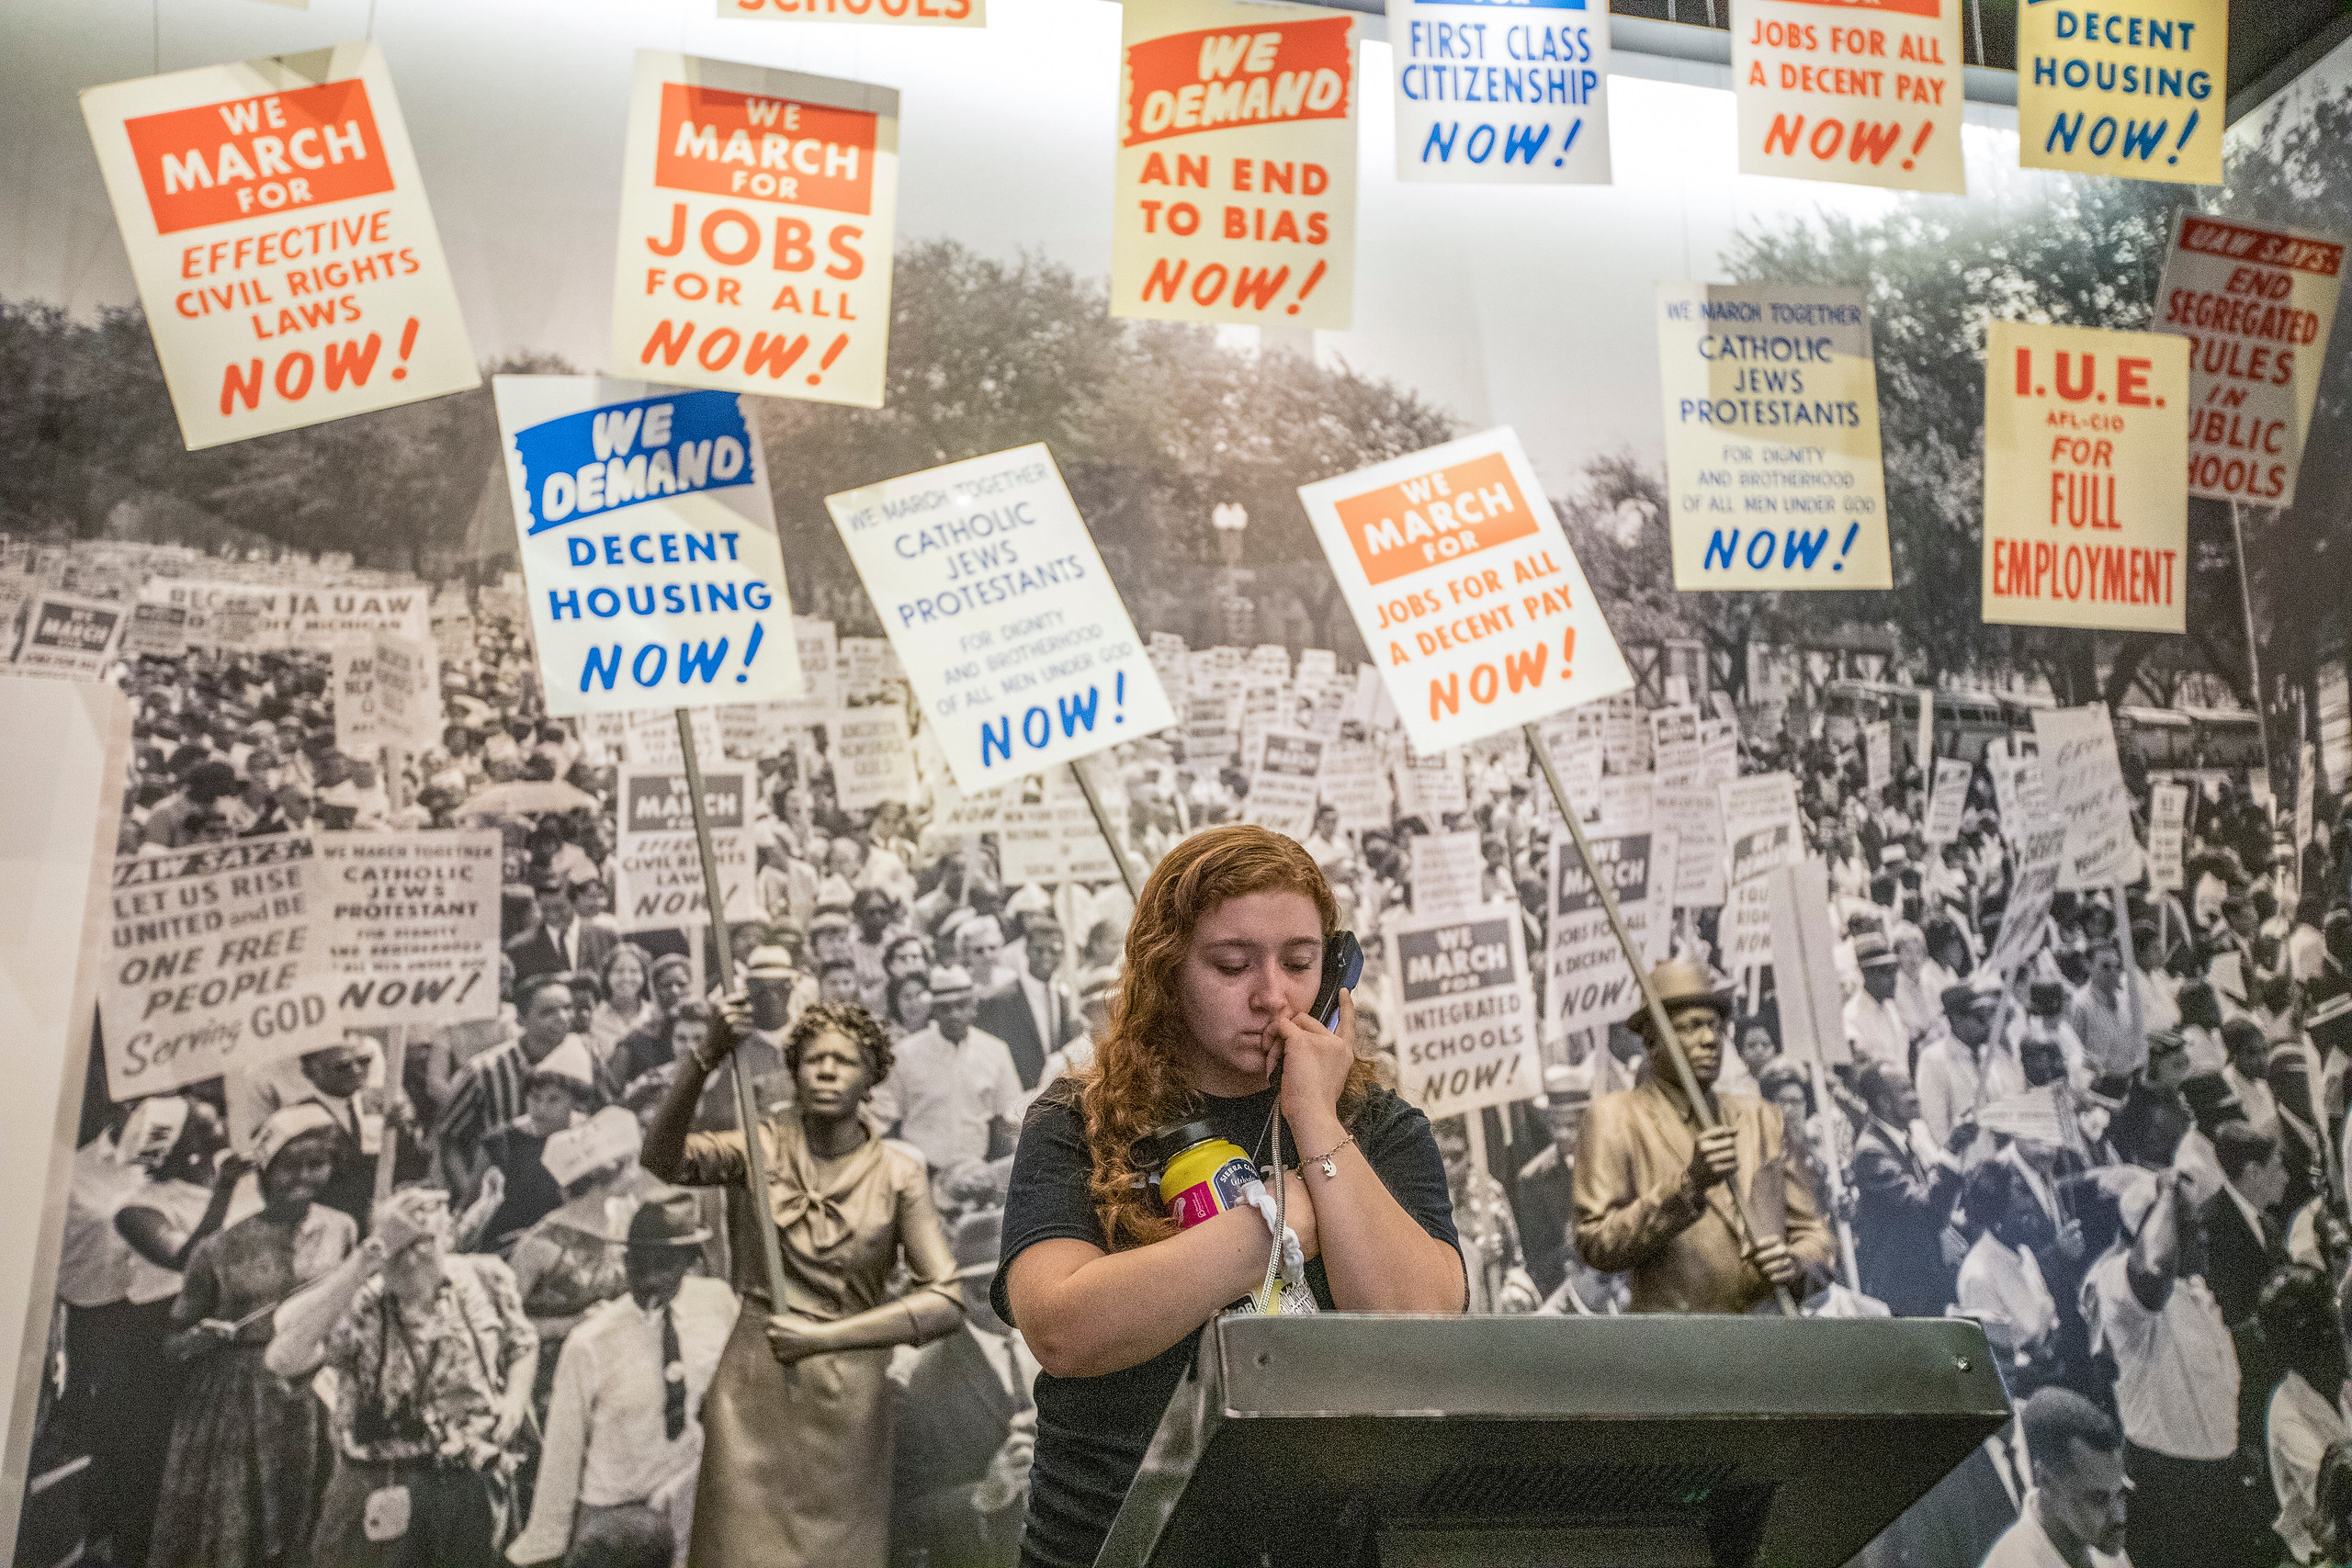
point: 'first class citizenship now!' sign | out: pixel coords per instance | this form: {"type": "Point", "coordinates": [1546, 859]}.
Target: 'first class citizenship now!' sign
{"type": "Point", "coordinates": [284, 251]}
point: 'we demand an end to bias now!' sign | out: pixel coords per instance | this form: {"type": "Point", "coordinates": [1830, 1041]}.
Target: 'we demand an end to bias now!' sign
{"type": "Point", "coordinates": [650, 553]}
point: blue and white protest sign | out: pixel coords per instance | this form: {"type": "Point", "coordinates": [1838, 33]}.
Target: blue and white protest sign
{"type": "Point", "coordinates": [650, 553]}
{"type": "Point", "coordinates": [1014, 638]}
{"type": "Point", "coordinates": [1501, 92]}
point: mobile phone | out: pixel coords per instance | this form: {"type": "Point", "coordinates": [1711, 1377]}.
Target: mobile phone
{"type": "Point", "coordinates": [1343, 967]}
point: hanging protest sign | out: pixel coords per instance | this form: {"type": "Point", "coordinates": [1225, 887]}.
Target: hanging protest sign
{"type": "Point", "coordinates": [69, 637]}
{"type": "Point", "coordinates": [660, 869]}
{"type": "Point", "coordinates": [1588, 981]}
{"type": "Point", "coordinates": [281, 241]}
{"type": "Point", "coordinates": [2018, 793]}
{"type": "Point", "coordinates": [1463, 585]}
{"type": "Point", "coordinates": [646, 529]}
{"type": "Point", "coordinates": [1522, 101]}
{"type": "Point", "coordinates": [904, 13]}
{"type": "Point", "coordinates": [406, 689]}
{"type": "Point", "coordinates": [1950, 801]}
{"type": "Point", "coordinates": [1719, 751]}
{"type": "Point", "coordinates": [357, 730]}
{"type": "Point", "coordinates": [1211, 732]}
{"type": "Point", "coordinates": [1772, 435]}
{"type": "Point", "coordinates": [2080, 770]}
{"type": "Point", "coordinates": [1696, 818]}
{"type": "Point", "coordinates": [2133, 89]}
{"type": "Point", "coordinates": [2168, 825]}
{"type": "Point", "coordinates": [1283, 776]}
{"type": "Point", "coordinates": [1014, 637]}
{"type": "Point", "coordinates": [649, 737]}
{"type": "Point", "coordinates": [1467, 1036]}
{"type": "Point", "coordinates": [215, 961]}
{"type": "Point", "coordinates": [758, 209]}
{"type": "Point", "coordinates": [2306, 793]}
{"type": "Point", "coordinates": [1235, 193]}
{"type": "Point", "coordinates": [2039, 853]}
{"type": "Point", "coordinates": [1863, 92]}
{"type": "Point", "coordinates": [1430, 788]}
{"type": "Point", "coordinates": [2086, 440]}
{"type": "Point", "coordinates": [874, 760]}
{"type": "Point", "coordinates": [1449, 873]}
{"type": "Point", "coordinates": [2257, 305]}
{"type": "Point", "coordinates": [1804, 970]}
{"type": "Point", "coordinates": [1923, 739]}
{"type": "Point", "coordinates": [413, 924]}
{"type": "Point", "coordinates": [1353, 784]}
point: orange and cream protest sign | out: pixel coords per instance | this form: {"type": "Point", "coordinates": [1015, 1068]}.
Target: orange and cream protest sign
{"type": "Point", "coordinates": [1475, 609]}
{"type": "Point", "coordinates": [283, 247]}
{"type": "Point", "coordinates": [1234, 197]}
{"type": "Point", "coordinates": [2085, 519]}
{"type": "Point", "coordinates": [757, 211]}
{"type": "Point", "coordinates": [2255, 305]}
{"type": "Point", "coordinates": [904, 13]}
{"type": "Point", "coordinates": [2132, 88]}
{"type": "Point", "coordinates": [1864, 92]}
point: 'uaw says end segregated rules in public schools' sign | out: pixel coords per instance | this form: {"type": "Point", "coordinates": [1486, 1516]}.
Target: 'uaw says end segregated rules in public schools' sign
{"type": "Point", "coordinates": [1491, 93]}
{"type": "Point", "coordinates": [1771, 437]}
{"type": "Point", "coordinates": [650, 553]}
{"type": "Point", "coordinates": [1234, 195]}
{"type": "Point", "coordinates": [2086, 440]}
{"type": "Point", "coordinates": [1014, 638]}
{"type": "Point", "coordinates": [278, 230]}
{"type": "Point", "coordinates": [757, 213]}
{"type": "Point", "coordinates": [1474, 610]}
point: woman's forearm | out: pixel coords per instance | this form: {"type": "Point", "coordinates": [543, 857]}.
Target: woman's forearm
{"type": "Point", "coordinates": [299, 1343]}
{"type": "Point", "coordinates": [664, 1149]}
{"type": "Point", "coordinates": [928, 1312]}
{"type": "Point", "coordinates": [1084, 1311]}
{"type": "Point", "coordinates": [1377, 1257]}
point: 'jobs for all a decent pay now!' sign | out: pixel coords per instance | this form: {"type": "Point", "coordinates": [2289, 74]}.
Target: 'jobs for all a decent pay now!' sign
{"type": "Point", "coordinates": [2085, 519]}
{"type": "Point", "coordinates": [2255, 306]}
{"type": "Point", "coordinates": [1771, 431]}
{"type": "Point", "coordinates": [1465, 591]}
{"type": "Point", "coordinates": [278, 229]}
{"type": "Point", "coordinates": [757, 208]}
{"type": "Point", "coordinates": [1866, 91]}
{"type": "Point", "coordinates": [650, 554]}
{"type": "Point", "coordinates": [1014, 638]}
{"type": "Point", "coordinates": [1235, 195]}
{"type": "Point", "coordinates": [2132, 88]}
{"type": "Point", "coordinates": [1502, 93]}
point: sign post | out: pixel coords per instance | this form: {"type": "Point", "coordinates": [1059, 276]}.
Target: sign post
{"type": "Point", "coordinates": [747, 1107]}
{"type": "Point", "coordinates": [1660, 1025]}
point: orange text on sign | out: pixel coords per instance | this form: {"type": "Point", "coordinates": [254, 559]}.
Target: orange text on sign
{"type": "Point", "coordinates": [738, 144]}
{"type": "Point", "coordinates": [249, 156]}
{"type": "Point", "coordinates": [1436, 519]}
{"type": "Point", "coordinates": [1204, 81]}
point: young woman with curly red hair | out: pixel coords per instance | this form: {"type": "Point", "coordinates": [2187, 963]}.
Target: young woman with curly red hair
{"type": "Point", "coordinates": [1222, 961]}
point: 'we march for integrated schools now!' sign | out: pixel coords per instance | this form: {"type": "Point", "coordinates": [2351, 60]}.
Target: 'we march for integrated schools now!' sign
{"type": "Point", "coordinates": [649, 545]}
{"type": "Point", "coordinates": [1018, 646]}
{"type": "Point", "coordinates": [1234, 196]}
{"type": "Point", "coordinates": [757, 213]}
{"type": "Point", "coordinates": [1513, 94]}
{"type": "Point", "coordinates": [1771, 437]}
{"type": "Point", "coordinates": [1863, 92]}
{"type": "Point", "coordinates": [1471, 603]}
{"type": "Point", "coordinates": [284, 251]}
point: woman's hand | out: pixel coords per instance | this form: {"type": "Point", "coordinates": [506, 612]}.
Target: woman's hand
{"type": "Point", "coordinates": [729, 1021]}
{"type": "Point", "coordinates": [1315, 1064]}
{"type": "Point", "coordinates": [791, 1341]}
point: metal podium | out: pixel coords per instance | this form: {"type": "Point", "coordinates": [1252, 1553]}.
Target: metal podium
{"type": "Point", "coordinates": [1354, 1442]}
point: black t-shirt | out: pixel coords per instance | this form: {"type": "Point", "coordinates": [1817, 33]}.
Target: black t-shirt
{"type": "Point", "coordinates": [1091, 1432]}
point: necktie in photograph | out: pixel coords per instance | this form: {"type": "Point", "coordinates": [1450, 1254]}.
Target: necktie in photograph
{"type": "Point", "coordinates": [673, 1377]}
